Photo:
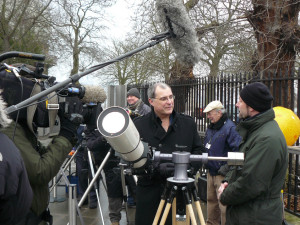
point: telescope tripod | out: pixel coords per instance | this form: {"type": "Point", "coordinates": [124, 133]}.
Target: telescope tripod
{"type": "Point", "coordinates": [172, 189]}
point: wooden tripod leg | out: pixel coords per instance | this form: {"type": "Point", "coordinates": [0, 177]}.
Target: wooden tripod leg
{"type": "Point", "coordinates": [189, 206]}
{"type": "Point", "coordinates": [192, 215]}
{"type": "Point", "coordinates": [200, 214]}
{"type": "Point", "coordinates": [165, 215]}
{"type": "Point", "coordinates": [174, 211]}
{"type": "Point", "coordinates": [187, 216]}
{"type": "Point", "coordinates": [158, 212]}
{"type": "Point", "coordinates": [198, 206]}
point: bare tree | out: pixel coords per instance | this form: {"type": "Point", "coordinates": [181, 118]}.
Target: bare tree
{"type": "Point", "coordinates": [78, 25]}
{"type": "Point", "coordinates": [147, 26]}
{"type": "Point", "coordinates": [23, 26]}
{"type": "Point", "coordinates": [133, 69]}
{"type": "Point", "coordinates": [277, 33]}
{"type": "Point", "coordinates": [224, 34]}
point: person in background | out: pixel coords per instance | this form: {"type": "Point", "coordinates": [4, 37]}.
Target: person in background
{"type": "Point", "coordinates": [136, 108]}
{"type": "Point", "coordinates": [252, 192]}
{"type": "Point", "coordinates": [15, 190]}
{"type": "Point", "coordinates": [99, 146]}
{"type": "Point", "coordinates": [220, 138]}
{"type": "Point", "coordinates": [83, 171]}
{"type": "Point", "coordinates": [163, 129]}
{"type": "Point", "coordinates": [135, 102]}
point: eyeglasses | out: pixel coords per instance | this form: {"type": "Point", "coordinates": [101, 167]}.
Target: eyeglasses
{"type": "Point", "coordinates": [165, 99]}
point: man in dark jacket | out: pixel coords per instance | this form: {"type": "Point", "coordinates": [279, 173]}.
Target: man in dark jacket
{"type": "Point", "coordinates": [99, 146]}
{"type": "Point", "coordinates": [220, 138]}
{"type": "Point", "coordinates": [15, 191]}
{"type": "Point", "coordinates": [252, 193]}
{"type": "Point", "coordinates": [162, 129]}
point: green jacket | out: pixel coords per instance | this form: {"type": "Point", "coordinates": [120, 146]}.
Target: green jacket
{"type": "Point", "coordinates": [41, 166]}
{"type": "Point", "coordinates": [253, 192]}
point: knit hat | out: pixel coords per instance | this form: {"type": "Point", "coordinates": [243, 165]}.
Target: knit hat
{"type": "Point", "coordinates": [257, 96]}
{"type": "Point", "coordinates": [134, 92]}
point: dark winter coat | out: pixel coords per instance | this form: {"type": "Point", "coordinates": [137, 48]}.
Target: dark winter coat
{"type": "Point", "coordinates": [253, 193]}
{"type": "Point", "coordinates": [183, 132]}
{"type": "Point", "coordinates": [220, 141]}
{"type": "Point", "coordinates": [143, 109]}
{"type": "Point", "coordinates": [98, 145]}
{"type": "Point", "coordinates": [41, 164]}
{"type": "Point", "coordinates": [15, 191]}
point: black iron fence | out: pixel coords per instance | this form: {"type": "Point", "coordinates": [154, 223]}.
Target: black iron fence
{"type": "Point", "coordinates": [193, 95]}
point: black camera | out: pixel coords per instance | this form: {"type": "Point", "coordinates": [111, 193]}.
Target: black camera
{"type": "Point", "coordinates": [14, 90]}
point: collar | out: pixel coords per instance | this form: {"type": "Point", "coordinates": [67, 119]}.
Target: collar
{"type": "Point", "coordinates": [135, 105]}
{"type": "Point", "coordinates": [172, 118]}
{"type": "Point", "coordinates": [219, 123]}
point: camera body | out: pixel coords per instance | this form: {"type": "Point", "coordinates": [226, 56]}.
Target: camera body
{"type": "Point", "coordinates": [67, 101]}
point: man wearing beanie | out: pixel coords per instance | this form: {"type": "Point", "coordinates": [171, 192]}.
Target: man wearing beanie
{"type": "Point", "coordinates": [252, 192]}
{"type": "Point", "coordinates": [136, 108]}
{"type": "Point", "coordinates": [135, 102]}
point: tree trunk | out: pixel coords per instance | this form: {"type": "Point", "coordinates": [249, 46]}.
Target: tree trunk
{"type": "Point", "coordinates": [275, 23]}
{"type": "Point", "coordinates": [181, 72]}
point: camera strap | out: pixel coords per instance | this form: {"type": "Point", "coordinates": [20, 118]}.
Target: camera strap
{"type": "Point", "coordinates": [52, 113]}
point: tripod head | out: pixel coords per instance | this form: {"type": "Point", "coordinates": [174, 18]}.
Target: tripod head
{"type": "Point", "coordinates": [182, 159]}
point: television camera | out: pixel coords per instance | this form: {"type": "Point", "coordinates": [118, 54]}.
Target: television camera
{"type": "Point", "coordinates": [19, 82]}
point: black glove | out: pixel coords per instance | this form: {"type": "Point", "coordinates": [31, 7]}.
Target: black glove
{"type": "Point", "coordinates": [68, 129]}
{"type": "Point", "coordinates": [166, 169]}
{"type": "Point", "coordinates": [67, 113]}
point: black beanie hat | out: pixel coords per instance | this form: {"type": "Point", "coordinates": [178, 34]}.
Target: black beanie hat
{"type": "Point", "coordinates": [257, 96]}
{"type": "Point", "coordinates": [134, 92]}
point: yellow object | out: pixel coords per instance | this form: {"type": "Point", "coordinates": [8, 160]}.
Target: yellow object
{"type": "Point", "coordinates": [289, 124]}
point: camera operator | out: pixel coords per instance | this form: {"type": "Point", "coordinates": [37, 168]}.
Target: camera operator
{"type": "Point", "coordinates": [98, 145]}
{"type": "Point", "coordinates": [42, 163]}
{"type": "Point", "coordinates": [162, 129]}
{"type": "Point", "coordinates": [15, 191]}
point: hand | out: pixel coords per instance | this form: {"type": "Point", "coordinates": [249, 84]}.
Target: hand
{"type": "Point", "coordinates": [221, 189]}
{"type": "Point", "coordinates": [166, 169]}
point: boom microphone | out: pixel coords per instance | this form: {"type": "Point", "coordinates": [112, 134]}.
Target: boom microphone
{"type": "Point", "coordinates": [95, 94]}
{"type": "Point", "coordinates": [89, 93]}
{"type": "Point", "coordinates": [174, 18]}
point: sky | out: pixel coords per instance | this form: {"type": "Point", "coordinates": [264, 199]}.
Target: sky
{"type": "Point", "coordinates": [118, 25]}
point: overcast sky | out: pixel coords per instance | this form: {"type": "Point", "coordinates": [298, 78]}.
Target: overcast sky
{"type": "Point", "coordinates": [118, 25]}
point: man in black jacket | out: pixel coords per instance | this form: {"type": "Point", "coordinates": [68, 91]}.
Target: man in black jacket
{"type": "Point", "coordinates": [162, 129]}
{"type": "Point", "coordinates": [15, 191]}
{"type": "Point", "coordinates": [98, 145]}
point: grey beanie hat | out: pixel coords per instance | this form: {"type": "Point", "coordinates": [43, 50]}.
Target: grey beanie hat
{"type": "Point", "coordinates": [134, 92]}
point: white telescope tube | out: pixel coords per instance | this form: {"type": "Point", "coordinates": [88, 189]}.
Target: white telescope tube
{"type": "Point", "coordinates": [117, 128]}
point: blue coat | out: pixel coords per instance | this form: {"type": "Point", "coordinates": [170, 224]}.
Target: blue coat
{"type": "Point", "coordinates": [218, 142]}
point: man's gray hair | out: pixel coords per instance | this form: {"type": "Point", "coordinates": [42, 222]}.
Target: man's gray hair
{"type": "Point", "coordinates": [222, 110]}
{"type": "Point", "coordinates": [151, 89]}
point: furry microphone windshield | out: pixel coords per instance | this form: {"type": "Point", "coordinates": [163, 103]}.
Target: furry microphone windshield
{"type": "Point", "coordinates": [174, 18]}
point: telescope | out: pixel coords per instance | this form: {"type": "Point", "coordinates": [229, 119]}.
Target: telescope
{"type": "Point", "coordinates": [116, 126]}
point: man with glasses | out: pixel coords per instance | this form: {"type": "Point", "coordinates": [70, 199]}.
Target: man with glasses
{"type": "Point", "coordinates": [162, 129]}
{"type": "Point", "coordinates": [220, 138]}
